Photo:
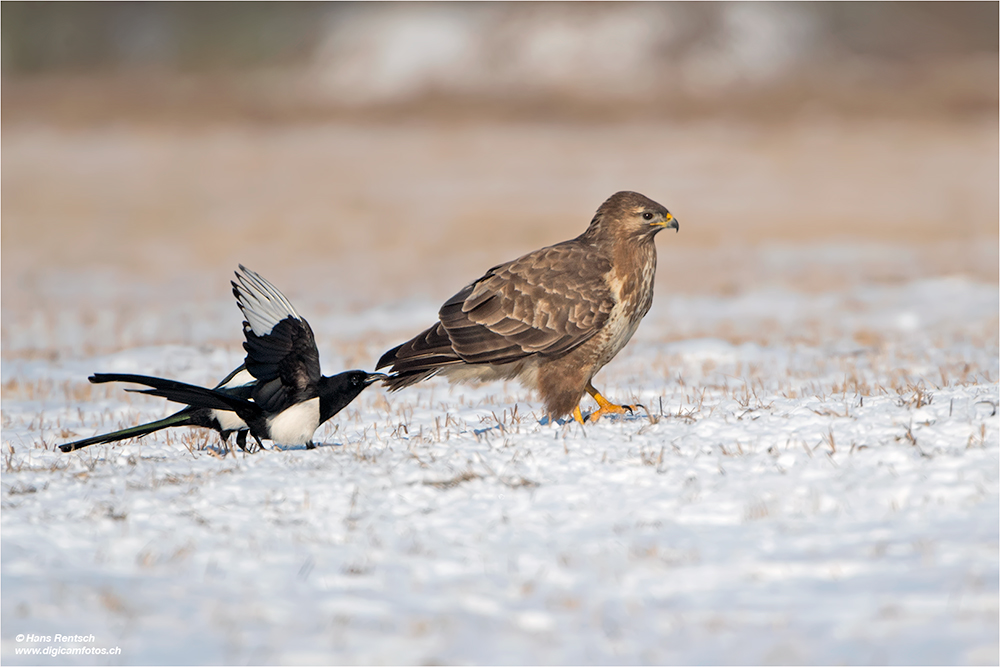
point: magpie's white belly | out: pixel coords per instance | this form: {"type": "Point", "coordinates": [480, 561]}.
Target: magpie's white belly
{"type": "Point", "coordinates": [295, 425]}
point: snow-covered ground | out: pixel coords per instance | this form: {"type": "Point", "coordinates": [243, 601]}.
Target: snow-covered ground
{"type": "Point", "coordinates": [815, 481]}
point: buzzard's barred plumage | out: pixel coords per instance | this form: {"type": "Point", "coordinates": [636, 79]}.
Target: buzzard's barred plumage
{"type": "Point", "coordinates": [552, 318]}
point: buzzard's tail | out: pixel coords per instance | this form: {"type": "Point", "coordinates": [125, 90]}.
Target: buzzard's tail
{"type": "Point", "coordinates": [418, 358]}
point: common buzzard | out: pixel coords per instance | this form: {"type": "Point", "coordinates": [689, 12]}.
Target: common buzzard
{"type": "Point", "coordinates": [552, 318]}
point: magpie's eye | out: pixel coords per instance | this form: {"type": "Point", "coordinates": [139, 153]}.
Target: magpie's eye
{"type": "Point", "coordinates": [647, 216]}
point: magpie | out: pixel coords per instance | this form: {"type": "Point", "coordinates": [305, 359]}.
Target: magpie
{"type": "Point", "coordinates": [289, 399]}
{"type": "Point", "coordinates": [238, 383]}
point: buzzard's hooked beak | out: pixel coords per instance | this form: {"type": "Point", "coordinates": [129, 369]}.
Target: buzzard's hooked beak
{"type": "Point", "coordinates": [669, 222]}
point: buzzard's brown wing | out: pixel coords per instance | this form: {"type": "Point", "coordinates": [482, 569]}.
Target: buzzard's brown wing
{"type": "Point", "coordinates": [546, 303]}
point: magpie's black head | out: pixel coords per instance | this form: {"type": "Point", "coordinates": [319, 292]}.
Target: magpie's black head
{"type": "Point", "coordinates": [337, 391]}
{"type": "Point", "coordinates": [361, 379]}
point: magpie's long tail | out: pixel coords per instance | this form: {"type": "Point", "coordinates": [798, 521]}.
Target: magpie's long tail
{"type": "Point", "coordinates": [180, 392]}
{"type": "Point", "coordinates": [182, 418]}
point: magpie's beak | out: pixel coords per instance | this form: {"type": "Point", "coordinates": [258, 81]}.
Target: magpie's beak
{"type": "Point", "coordinates": [669, 222]}
{"type": "Point", "coordinates": [374, 377]}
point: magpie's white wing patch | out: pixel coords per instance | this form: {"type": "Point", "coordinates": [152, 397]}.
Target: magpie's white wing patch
{"type": "Point", "coordinates": [240, 377]}
{"type": "Point", "coordinates": [263, 305]}
{"type": "Point", "coordinates": [229, 421]}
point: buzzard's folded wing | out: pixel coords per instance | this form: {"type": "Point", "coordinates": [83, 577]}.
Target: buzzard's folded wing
{"type": "Point", "coordinates": [546, 303]}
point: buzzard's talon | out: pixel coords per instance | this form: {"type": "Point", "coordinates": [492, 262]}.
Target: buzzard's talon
{"type": "Point", "coordinates": [606, 406]}
{"type": "Point", "coordinates": [610, 409]}
{"type": "Point", "coordinates": [578, 416]}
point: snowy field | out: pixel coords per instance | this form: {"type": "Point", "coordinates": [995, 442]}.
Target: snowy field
{"type": "Point", "coordinates": [815, 480]}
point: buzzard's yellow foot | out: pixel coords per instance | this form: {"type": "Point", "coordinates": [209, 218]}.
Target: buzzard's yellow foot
{"type": "Point", "coordinates": [610, 409]}
{"type": "Point", "coordinates": [577, 415]}
{"type": "Point", "coordinates": [606, 407]}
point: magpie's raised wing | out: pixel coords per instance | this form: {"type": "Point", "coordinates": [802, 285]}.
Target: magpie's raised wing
{"type": "Point", "coordinates": [281, 348]}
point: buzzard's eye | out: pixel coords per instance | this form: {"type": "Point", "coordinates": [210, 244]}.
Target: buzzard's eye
{"type": "Point", "coordinates": [647, 216]}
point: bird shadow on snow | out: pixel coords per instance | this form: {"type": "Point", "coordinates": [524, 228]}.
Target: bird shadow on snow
{"type": "Point", "coordinates": [544, 421]}
{"type": "Point", "coordinates": [303, 448]}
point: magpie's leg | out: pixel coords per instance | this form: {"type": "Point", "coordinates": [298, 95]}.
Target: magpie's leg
{"type": "Point", "coordinates": [260, 445]}
{"type": "Point", "coordinates": [241, 439]}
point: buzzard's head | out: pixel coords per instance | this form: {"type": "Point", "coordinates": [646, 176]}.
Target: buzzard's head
{"type": "Point", "coordinates": [631, 215]}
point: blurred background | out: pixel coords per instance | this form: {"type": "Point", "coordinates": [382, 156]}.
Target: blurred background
{"type": "Point", "coordinates": [376, 155]}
